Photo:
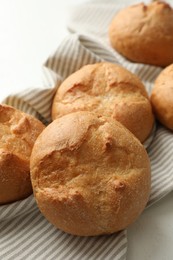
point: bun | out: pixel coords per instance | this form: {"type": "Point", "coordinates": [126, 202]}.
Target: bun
{"type": "Point", "coordinates": [144, 33]}
{"type": "Point", "coordinates": [110, 90]}
{"type": "Point", "coordinates": [90, 175]}
{"type": "Point", "coordinates": [162, 97]}
{"type": "Point", "coordinates": [18, 132]}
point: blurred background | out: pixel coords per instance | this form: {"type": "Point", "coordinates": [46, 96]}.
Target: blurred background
{"type": "Point", "coordinates": [29, 31]}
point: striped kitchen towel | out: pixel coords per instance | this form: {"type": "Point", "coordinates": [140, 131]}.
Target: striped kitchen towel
{"type": "Point", "coordinates": [24, 232]}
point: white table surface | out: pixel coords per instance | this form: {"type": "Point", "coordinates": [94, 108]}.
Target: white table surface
{"type": "Point", "coordinates": [29, 31]}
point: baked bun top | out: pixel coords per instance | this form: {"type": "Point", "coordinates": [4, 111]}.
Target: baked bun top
{"type": "Point", "coordinates": [144, 33]}
{"type": "Point", "coordinates": [162, 97]}
{"type": "Point", "coordinates": [106, 89]}
{"type": "Point", "coordinates": [90, 175]}
{"type": "Point", "coordinates": [18, 132]}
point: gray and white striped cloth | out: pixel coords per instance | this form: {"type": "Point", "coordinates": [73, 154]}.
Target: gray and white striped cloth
{"type": "Point", "coordinates": [24, 232]}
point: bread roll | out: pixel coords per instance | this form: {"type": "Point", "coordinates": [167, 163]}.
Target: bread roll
{"type": "Point", "coordinates": [90, 175]}
{"type": "Point", "coordinates": [162, 97]}
{"type": "Point", "coordinates": [18, 132]}
{"type": "Point", "coordinates": [110, 90]}
{"type": "Point", "coordinates": [144, 33]}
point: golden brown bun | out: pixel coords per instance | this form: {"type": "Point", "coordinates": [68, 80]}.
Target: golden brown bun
{"type": "Point", "coordinates": [90, 175]}
{"type": "Point", "coordinates": [110, 90]}
{"type": "Point", "coordinates": [18, 132]}
{"type": "Point", "coordinates": [144, 33]}
{"type": "Point", "coordinates": [162, 97]}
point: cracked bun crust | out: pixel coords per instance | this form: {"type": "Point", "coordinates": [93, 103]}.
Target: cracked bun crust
{"type": "Point", "coordinates": [110, 90]}
{"type": "Point", "coordinates": [90, 175]}
{"type": "Point", "coordinates": [144, 33]}
{"type": "Point", "coordinates": [162, 97]}
{"type": "Point", "coordinates": [18, 132]}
